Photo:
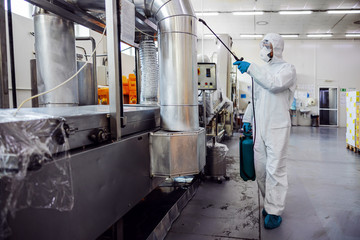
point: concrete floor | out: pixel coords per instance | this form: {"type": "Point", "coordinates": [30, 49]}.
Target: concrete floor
{"type": "Point", "coordinates": [323, 200]}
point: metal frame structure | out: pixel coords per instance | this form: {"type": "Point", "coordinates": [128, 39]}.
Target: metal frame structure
{"type": "Point", "coordinates": [71, 12]}
{"type": "Point", "coordinates": [114, 60]}
{"type": "Point", "coordinates": [4, 84]}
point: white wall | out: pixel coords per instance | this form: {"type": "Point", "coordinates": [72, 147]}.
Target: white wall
{"type": "Point", "coordinates": [318, 63]}
{"type": "Point", "coordinates": [23, 52]}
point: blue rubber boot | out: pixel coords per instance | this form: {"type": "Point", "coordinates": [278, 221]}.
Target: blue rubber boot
{"type": "Point", "coordinates": [264, 212]}
{"type": "Point", "coordinates": [272, 221]}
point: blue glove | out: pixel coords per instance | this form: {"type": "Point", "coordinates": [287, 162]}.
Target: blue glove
{"type": "Point", "coordinates": [247, 127]}
{"type": "Point", "coordinates": [242, 66]}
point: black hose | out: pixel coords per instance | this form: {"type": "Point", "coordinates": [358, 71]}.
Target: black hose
{"type": "Point", "coordinates": [11, 48]}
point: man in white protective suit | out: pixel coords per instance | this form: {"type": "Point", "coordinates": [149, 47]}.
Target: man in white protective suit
{"type": "Point", "coordinates": [274, 86]}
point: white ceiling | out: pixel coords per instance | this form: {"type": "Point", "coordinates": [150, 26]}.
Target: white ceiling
{"type": "Point", "coordinates": [317, 22]}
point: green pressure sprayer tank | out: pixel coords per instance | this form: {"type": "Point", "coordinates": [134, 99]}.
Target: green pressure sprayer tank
{"type": "Point", "coordinates": [247, 168]}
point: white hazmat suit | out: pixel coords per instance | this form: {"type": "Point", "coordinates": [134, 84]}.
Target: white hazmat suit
{"type": "Point", "coordinates": [274, 86]}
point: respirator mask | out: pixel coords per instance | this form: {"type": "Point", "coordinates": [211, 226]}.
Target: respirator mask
{"type": "Point", "coordinates": [265, 51]}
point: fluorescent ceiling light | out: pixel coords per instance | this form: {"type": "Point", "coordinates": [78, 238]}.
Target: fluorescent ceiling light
{"type": "Point", "coordinates": [319, 35]}
{"type": "Point", "coordinates": [352, 35]}
{"type": "Point", "coordinates": [247, 13]}
{"type": "Point", "coordinates": [342, 11]}
{"type": "Point", "coordinates": [294, 12]}
{"type": "Point", "coordinates": [290, 35]}
{"type": "Point", "coordinates": [207, 13]}
{"type": "Point", "coordinates": [251, 35]}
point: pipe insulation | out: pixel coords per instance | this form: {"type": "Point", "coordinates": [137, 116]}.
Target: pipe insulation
{"type": "Point", "coordinates": [149, 72]}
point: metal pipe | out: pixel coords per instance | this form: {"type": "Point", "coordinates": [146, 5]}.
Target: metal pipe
{"type": "Point", "coordinates": [11, 50]}
{"type": "Point", "coordinates": [177, 62]}
{"type": "Point", "coordinates": [85, 54]}
{"type": "Point", "coordinates": [94, 69]}
{"type": "Point", "coordinates": [93, 46]}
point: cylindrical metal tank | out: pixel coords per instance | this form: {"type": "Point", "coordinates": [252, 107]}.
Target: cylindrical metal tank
{"type": "Point", "coordinates": [56, 59]}
{"type": "Point", "coordinates": [87, 85]}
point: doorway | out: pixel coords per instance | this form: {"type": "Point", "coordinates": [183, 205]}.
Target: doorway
{"type": "Point", "coordinates": [328, 106]}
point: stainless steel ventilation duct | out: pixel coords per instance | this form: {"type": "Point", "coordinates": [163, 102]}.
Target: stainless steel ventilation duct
{"type": "Point", "coordinates": [177, 62]}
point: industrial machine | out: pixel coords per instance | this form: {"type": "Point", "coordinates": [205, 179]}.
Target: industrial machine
{"type": "Point", "coordinates": [218, 91]}
{"type": "Point", "coordinates": [69, 171]}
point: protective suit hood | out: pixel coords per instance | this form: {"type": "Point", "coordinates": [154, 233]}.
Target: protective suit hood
{"type": "Point", "coordinates": [278, 46]}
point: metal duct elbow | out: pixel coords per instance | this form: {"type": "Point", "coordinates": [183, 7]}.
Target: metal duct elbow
{"type": "Point", "coordinates": [177, 62]}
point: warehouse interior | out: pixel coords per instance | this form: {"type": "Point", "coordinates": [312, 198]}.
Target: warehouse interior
{"type": "Point", "coordinates": [127, 119]}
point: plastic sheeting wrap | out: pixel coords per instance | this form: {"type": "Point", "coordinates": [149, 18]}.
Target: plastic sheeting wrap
{"type": "Point", "coordinates": [215, 159]}
{"type": "Point", "coordinates": [34, 165]}
{"type": "Point", "coordinates": [215, 101]}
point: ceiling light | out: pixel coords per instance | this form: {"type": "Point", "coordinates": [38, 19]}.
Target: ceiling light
{"type": "Point", "coordinates": [251, 35]}
{"type": "Point", "coordinates": [290, 35]}
{"type": "Point", "coordinates": [342, 11]}
{"type": "Point", "coordinates": [262, 23]}
{"type": "Point", "coordinates": [294, 12]}
{"type": "Point", "coordinates": [352, 35]}
{"type": "Point", "coordinates": [319, 35]}
{"type": "Point", "coordinates": [207, 13]}
{"type": "Point", "coordinates": [247, 13]}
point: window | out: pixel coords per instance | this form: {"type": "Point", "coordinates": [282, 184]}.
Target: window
{"type": "Point", "coordinates": [21, 7]}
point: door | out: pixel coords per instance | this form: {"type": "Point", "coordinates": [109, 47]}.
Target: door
{"type": "Point", "coordinates": [328, 106]}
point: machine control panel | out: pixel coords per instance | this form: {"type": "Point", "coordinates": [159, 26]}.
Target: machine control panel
{"type": "Point", "coordinates": [207, 76]}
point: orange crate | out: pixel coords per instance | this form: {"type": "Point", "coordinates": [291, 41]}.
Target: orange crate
{"type": "Point", "coordinates": [103, 96]}
{"type": "Point", "coordinates": [132, 82]}
{"type": "Point", "coordinates": [125, 85]}
{"type": "Point", "coordinates": [132, 97]}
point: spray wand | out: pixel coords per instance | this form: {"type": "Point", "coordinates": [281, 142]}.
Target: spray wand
{"type": "Point", "coordinates": [237, 59]}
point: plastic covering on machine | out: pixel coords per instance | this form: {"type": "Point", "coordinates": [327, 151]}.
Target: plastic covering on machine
{"type": "Point", "coordinates": [215, 159]}
{"type": "Point", "coordinates": [34, 165]}
{"type": "Point", "coordinates": [215, 101]}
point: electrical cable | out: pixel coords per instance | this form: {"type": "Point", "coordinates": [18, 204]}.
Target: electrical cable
{"type": "Point", "coordinates": [63, 83]}
{"type": "Point", "coordinates": [145, 33]}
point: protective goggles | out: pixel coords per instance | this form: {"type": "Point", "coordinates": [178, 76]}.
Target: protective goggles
{"type": "Point", "coordinates": [265, 43]}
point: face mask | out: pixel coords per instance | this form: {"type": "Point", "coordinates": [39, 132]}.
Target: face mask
{"type": "Point", "coordinates": [265, 54]}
